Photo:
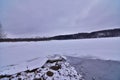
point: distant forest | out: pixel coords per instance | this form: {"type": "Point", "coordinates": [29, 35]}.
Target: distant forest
{"type": "Point", "coordinates": [95, 34]}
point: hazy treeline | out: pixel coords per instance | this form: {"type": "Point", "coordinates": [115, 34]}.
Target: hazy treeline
{"type": "Point", "coordinates": [95, 34]}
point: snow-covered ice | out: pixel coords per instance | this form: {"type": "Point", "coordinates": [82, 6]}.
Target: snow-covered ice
{"type": "Point", "coordinates": [96, 69]}
{"type": "Point", "coordinates": [22, 53]}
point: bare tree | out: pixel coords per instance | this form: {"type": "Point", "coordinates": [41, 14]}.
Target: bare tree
{"type": "Point", "coordinates": [2, 34]}
{"type": "Point", "coordinates": [0, 31]}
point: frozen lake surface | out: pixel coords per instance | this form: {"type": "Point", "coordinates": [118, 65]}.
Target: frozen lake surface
{"type": "Point", "coordinates": [19, 52]}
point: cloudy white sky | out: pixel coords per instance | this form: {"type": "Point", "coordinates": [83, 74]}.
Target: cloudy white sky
{"type": "Point", "coordinates": [53, 17]}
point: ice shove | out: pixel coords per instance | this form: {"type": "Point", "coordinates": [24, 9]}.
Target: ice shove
{"type": "Point", "coordinates": [55, 68]}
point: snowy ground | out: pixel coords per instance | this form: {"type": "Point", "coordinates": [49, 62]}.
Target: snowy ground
{"type": "Point", "coordinates": [23, 53]}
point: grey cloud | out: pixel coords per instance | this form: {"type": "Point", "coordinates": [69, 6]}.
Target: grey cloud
{"type": "Point", "coordinates": [51, 17]}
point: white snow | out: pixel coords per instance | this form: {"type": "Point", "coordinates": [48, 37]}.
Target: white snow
{"type": "Point", "coordinates": [17, 53]}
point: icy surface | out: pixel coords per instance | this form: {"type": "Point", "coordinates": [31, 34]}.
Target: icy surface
{"type": "Point", "coordinates": [96, 69]}
{"type": "Point", "coordinates": [30, 64]}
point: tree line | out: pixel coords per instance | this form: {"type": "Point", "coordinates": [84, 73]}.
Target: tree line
{"type": "Point", "coordinates": [95, 34]}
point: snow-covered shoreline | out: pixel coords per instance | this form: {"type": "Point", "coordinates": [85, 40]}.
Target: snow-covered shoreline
{"type": "Point", "coordinates": [55, 68]}
{"type": "Point", "coordinates": [59, 67]}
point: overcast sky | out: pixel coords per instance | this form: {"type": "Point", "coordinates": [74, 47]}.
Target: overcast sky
{"type": "Point", "coordinates": [53, 17]}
